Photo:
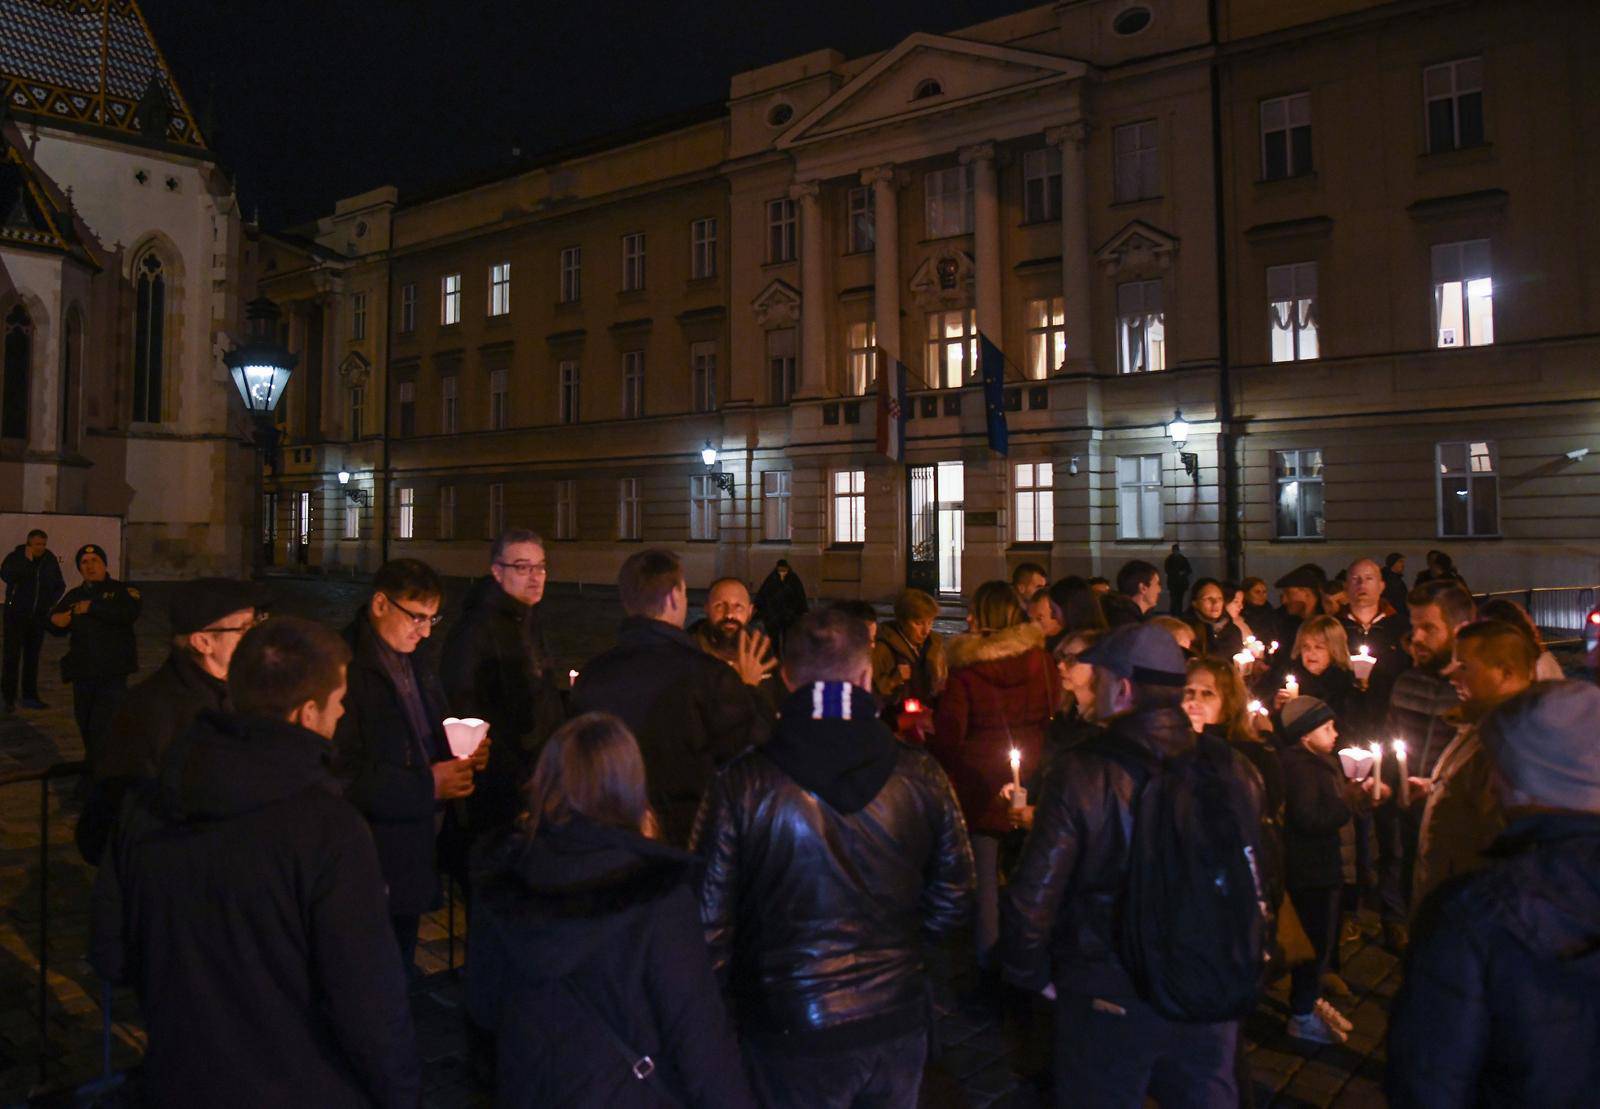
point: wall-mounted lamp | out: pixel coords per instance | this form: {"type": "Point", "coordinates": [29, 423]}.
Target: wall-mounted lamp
{"type": "Point", "coordinates": [1072, 466]}
{"type": "Point", "coordinates": [708, 455]}
{"type": "Point", "coordinates": [355, 493]}
{"type": "Point", "coordinates": [1178, 432]}
{"type": "Point", "coordinates": [1578, 455]}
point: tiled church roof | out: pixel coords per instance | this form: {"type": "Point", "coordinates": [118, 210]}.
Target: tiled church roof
{"type": "Point", "coordinates": [30, 214]}
{"type": "Point", "coordinates": [93, 63]}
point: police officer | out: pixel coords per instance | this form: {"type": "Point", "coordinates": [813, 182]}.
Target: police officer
{"type": "Point", "coordinates": [99, 616]}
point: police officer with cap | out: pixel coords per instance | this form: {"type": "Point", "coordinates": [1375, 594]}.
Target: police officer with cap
{"type": "Point", "coordinates": [98, 615]}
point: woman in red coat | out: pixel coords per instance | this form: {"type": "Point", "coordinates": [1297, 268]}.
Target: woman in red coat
{"type": "Point", "coordinates": [1001, 693]}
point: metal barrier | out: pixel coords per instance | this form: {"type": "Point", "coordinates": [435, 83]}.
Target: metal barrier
{"type": "Point", "coordinates": [1559, 611]}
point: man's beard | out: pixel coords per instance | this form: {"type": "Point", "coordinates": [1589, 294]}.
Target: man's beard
{"type": "Point", "coordinates": [724, 634]}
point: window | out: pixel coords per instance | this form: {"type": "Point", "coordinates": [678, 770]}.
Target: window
{"type": "Point", "coordinates": [567, 509]}
{"type": "Point", "coordinates": [633, 262]}
{"type": "Point", "coordinates": [406, 517]}
{"type": "Point", "coordinates": [447, 406]}
{"type": "Point", "coordinates": [571, 274]}
{"type": "Point", "coordinates": [447, 512]}
{"type": "Point", "coordinates": [500, 289]}
{"type": "Point", "coordinates": [863, 220]}
{"type": "Point", "coordinates": [408, 308]}
{"type": "Point", "coordinates": [1469, 489]}
{"type": "Point", "coordinates": [497, 509]}
{"type": "Point", "coordinates": [1139, 496]}
{"type": "Point", "coordinates": [304, 523]}
{"type": "Point", "coordinates": [352, 519]}
{"type": "Point", "coordinates": [567, 399]}
{"type": "Point", "coordinates": [1463, 294]}
{"type": "Point", "coordinates": [1141, 327]}
{"type": "Point", "coordinates": [703, 361]}
{"type": "Point", "coordinates": [859, 360]}
{"type": "Point", "coordinates": [927, 87]}
{"type": "Point", "coordinates": [782, 231]}
{"type": "Point", "coordinates": [948, 201]}
{"type": "Point", "coordinates": [1292, 311]}
{"type": "Point", "coordinates": [18, 369]}
{"type": "Point", "coordinates": [704, 502]}
{"type": "Point", "coordinates": [1041, 185]}
{"type": "Point", "coordinates": [703, 248]}
{"type": "Point", "coordinates": [450, 299]}
{"type": "Point", "coordinates": [775, 523]}
{"type": "Point", "coordinates": [1047, 337]}
{"type": "Point", "coordinates": [850, 506]}
{"type": "Point", "coordinates": [358, 315]}
{"type": "Point", "coordinates": [406, 398]}
{"type": "Point", "coordinates": [780, 363]}
{"type": "Point", "coordinates": [952, 348]}
{"type": "Point", "coordinates": [499, 400]}
{"type": "Point", "coordinates": [1134, 147]}
{"type": "Point", "coordinates": [1034, 520]}
{"type": "Point", "coordinates": [1286, 136]}
{"type": "Point", "coordinates": [358, 408]}
{"type": "Point", "coordinates": [628, 508]}
{"type": "Point", "coordinates": [149, 338]}
{"type": "Point", "coordinates": [632, 384]}
{"type": "Point", "coordinates": [1299, 477]}
{"type": "Point", "coordinates": [1452, 95]}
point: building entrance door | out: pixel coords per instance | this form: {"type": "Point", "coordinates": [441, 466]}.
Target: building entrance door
{"type": "Point", "coordinates": [938, 527]}
{"type": "Point", "coordinates": [269, 527]}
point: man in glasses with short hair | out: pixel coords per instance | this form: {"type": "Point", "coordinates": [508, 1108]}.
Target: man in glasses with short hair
{"type": "Point", "coordinates": [390, 745]}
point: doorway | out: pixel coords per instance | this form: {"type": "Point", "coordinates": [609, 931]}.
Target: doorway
{"type": "Point", "coordinates": [938, 528]}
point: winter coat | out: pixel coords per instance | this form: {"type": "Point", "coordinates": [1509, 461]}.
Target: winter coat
{"type": "Point", "coordinates": [1222, 639]}
{"type": "Point", "coordinates": [1384, 639]}
{"type": "Point", "coordinates": [828, 854]}
{"type": "Point", "coordinates": [1462, 815]}
{"type": "Point", "coordinates": [102, 643]}
{"type": "Point", "coordinates": [893, 649]}
{"type": "Point", "coordinates": [495, 667]}
{"type": "Point", "coordinates": [1421, 710]}
{"type": "Point", "coordinates": [1001, 693]}
{"type": "Point", "coordinates": [1500, 1002]}
{"type": "Point", "coordinates": [32, 584]}
{"type": "Point", "coordinates": [780, 601]}
{"type": "Point", "coordinates": [388, 772]}
{"type": "Point", "coordinates": [241, 899]}
{"type": "Point", "coordinates": [1315, 812]}
{"type": "Point", "coordinates": [584, 911]}
{"type": "Point", "coordinates": [1059, 909]}
{"type": "Point", "coordinates": [1334, 687]}
{"type": "Point", "coordinates": [1395, 593]}
{"type": "Point", "coordinates": [688, 710]}
{"type": "Point", "coordinates": [1269, 767]}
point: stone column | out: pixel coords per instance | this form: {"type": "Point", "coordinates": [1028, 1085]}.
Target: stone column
{"type": "Point", "coordinates": [885, 260]}
{"type": "Point", "coordinates": [813, 300]}
{"type": "Point", "coordinates": [986, 237]}
{"type": "Point", "coordinates": [1075, 262]}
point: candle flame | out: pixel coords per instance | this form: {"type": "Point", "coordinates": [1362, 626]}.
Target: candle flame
{"type": "Point", "coordinates": [1400, 747]}
{"type": "Point", "coordinates": [1016, 758]}
{"type": "Point", "coordinates": [572, 675]}
{"type": "Point", "coordinates": [913, 705]}
{"type": "Point", "coordinates": [1274, 648]}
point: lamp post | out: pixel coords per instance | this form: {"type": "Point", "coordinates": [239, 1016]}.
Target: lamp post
{"type": "Point", "coordinates": [708, 455]}
{"type": "Point", "coordinates": [261, 370]}
{"type": "Point", "coordinates": [1178, 432]}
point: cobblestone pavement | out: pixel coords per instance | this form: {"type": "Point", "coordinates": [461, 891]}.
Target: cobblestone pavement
{"type": "Point", "coordinates": [981, 1060]}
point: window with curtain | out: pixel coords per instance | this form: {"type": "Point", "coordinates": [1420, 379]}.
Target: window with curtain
{"type": "Point", "coordinates": [1298, 474]}
{"type": "Point", "coordinates": [1047, 337]}
{"type": "Point", "coordinates": [850, 506]}
{"type": "Point", "coordinates": [1141, 327]}
{"type": "Point", "coordinates": [948, 200]}
{"type": "Point", "coordinates": [952, 348]}
{"type": "Point", "coordinates": [1463, 294]}
{"type": "Point", "coordinates": [1292, 311]}
{"type": "Point", "coordinates": [862, 340]}
{"type": "Point", "coordinates": [863, 224]}
{"type": "Point", "coordinates": [1139, 496]}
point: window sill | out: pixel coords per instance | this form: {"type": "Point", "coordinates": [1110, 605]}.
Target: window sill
{"type": "Point", "coordinates": [1457, 156]}
{"type": "Point", "coordinates": [789, 542]}
{"type": "Point", "coordinates": [1308, 180]}
{"type": "Point", "coordinates": [1470, 538]}
{"type": "Point", "coordinates": [859, 253]}
{"type": "Point", "coordinates": [1298, 539]}
{"type": "Point", "coordinates": [501, 320]}
{"type": "Point", "coordinates": [708, 281]}
{"type": "Point", "coordinates": [704, 542]}
{"type": "Point", "coordinates": [845, 546]}
{"type": "Point", "coordinates": [1133, 200]}
{"type": "Point", "coordinates": [1031, 545]}
{"type": "Point", "coordinates": [773, 264]}
{"type": "Point", "coordinates": [627, 296]}
{"type": "Point", "coordinates": [930, 239]}
{"type": "Point", "coordinates": [1040, 222]}
{"type": "Point", "coordinates": [569, 305]}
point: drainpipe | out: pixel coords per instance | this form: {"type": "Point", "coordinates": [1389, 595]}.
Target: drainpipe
{"type": "Point", "coordinates": [1227, 438]}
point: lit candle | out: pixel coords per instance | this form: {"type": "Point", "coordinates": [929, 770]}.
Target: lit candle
{"type": "Point", "coordinates": [1016, 768]}
{"type": "Point", "coordinates": [572, 677]}
{"type": "Point", "coordinates": [1400, 759]}
{"type": "Point", "coordinates": [912, 705]}
{"type": "Point", "coordinates": [1361, 663]}
{"type": "Point", "coordinates": [1291, 686]}
{"type": "Point", "coordinates": [1256, 708]}
{"type": "Point", "coordinates": [1272, 650]}
{"type": "Point", "coordinates": [1243, 660]}
{"type": "Point", "coordinates": [1374, 777]}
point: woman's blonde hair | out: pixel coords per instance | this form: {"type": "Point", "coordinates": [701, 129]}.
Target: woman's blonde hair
{"type": "Point", "coordinates": [590, 767]}
{"type": "Point", "coordinates": [1332, 633]}
{"type": "Point", "coordinates": [1235, 713]}
{"type": "Point", "coordinates": [995, 607]}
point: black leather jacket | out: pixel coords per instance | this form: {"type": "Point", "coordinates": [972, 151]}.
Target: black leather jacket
{"type": "Point", "coordinates": [826, 853]}
{"type": "Point", "coordinates": [1059, 909]}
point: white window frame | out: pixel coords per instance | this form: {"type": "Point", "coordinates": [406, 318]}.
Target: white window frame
{"type": "Point", "coordinates": [358, 315]}
{"type": "Point", "coordinates": [1046, 319]}
{"type": "Point", "coordinates": [356, 402]}
{"type": "Point", "coordinates": [1297, 468]}
{"type": "Point", "coordinates": [450, 299]}
{"type": "Point", "coordinates": [500, 289]}
{"type": "Point", "coordinates": [1141, 327]}
{"type": "Point", "coordinates": [861, 347]}
{"type": "Point", "coordinates": [632, 384]}
{"type": "Point", "coordinates": [1041, 185]}
{"type": "Point", "coordinates": [1285, 115]}
{"type": "Point", "coordinates": [952, 358]}
{"type": "Point", "coordinates": [1140, 514]}
{"type": "Point", "coordinates": [783, 230]}
{"type": "Point", "coordinates": [1478, 478]}
{"type": "Point", "coordinates": [406, 512]}
{"type": "Point", "coordinates": [497, 508]}
{"type": "Point", "coordinates": [1460, 78]}
{"type": "Point", "coordinates": [862, 220]}
{"type": "Point", "coordinates": [567, 509]}
{"type": "Point", "coordinates": [1136, 167]}
{"type": "Point", "coordinates": [449, 409]}
{"type": "Point", "coordinates": [1033, 499]}
{"type": "Point", "coordinates": [1463, 294]}
{"type": "Point", "coordinates": [703, 375]}
{"type": "Point", "coordinates": [499, 399]}
{"type": "Point", "coordinates": [571, 274]}
{"type": "Point", "coordinates": [705, 504]}
{"type": "Point", "coordinates": [777, 522]}
{"type": "Point", "coordinates": [352, 519]}
{"type": "Point", "coordinates": [628, 509]}
{"type": "Point", "coordinates": [408, 308]}
{"type": "Point", "coordinates": [782, 365]}
{"type": "Point", "coordinates": [569, 391]}
{"type": "Point", "coordinates": [847, 491]}
{"type": "Point", "coordinates": [304, 522]}
{"type": "Point", "coordinates": [447, 512]}
{"type": "Point", "coordinates": [703, 248]}
{"type": "Point", "coordinates": [1293, 330]}
{"type": "Point", "coordinates": [948, 201]}
{"type": "Point", "coordinates": [633, 246]}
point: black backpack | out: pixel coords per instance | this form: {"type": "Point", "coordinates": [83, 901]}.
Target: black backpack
{"type": "Point", "coordinates": [1193, 918]}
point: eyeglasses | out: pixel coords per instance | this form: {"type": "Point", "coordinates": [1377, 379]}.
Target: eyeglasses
{"type": "Point", "coordinates": [418, 619]}
{"type": "Point", "coordinates": [258, 618]}
{"type": "Point", "coordinates": [536, 568]}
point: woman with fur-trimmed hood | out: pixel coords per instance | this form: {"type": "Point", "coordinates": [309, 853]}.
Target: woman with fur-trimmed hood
{"type": "Point", "coordinates": [1001, 692]}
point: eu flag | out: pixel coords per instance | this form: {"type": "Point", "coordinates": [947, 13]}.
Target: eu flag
{"type": "Point", "coordinates": [992, 367]}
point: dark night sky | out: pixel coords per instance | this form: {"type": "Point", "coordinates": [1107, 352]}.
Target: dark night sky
{"type": "Point", "coordinates": [311, 100]}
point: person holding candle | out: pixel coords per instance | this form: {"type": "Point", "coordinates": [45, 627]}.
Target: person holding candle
{"type": "Point", "coordinates": [1215, 633]}
{"type": "Point", "coordinates": [908, 658]}
{"type": "Point", "coordinates": [1319, 666]}
{"type": "Point", "coordinates": [1074, 723]}
{"type": "Point", "coordinates": [1372, 622]}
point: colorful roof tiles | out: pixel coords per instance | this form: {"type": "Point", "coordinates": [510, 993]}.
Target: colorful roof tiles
{"type": "Point", "coordinates": [30, 214]}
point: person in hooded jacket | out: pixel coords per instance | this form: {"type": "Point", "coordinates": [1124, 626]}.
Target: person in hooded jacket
{"type": "Point", "coordinates": [588, 962]}
{"type": "Point", "coordinates": [829, 854]}
{"type": "Point", "coordinates": [32, 576]}
{"type": "Point", "coordinates": [780, 601]}
{"type": "Point", "coordinates": [242, 900]}
{"type": "Point", "coordinates": [98, 616]}
{"type": "Point", "coordinates": [908, 656]}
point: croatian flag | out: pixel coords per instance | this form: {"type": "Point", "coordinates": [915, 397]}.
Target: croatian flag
{"type": "Point", "coordinates": [891, 409]}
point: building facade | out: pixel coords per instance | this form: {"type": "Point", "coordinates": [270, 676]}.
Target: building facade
{"type": "Point", "coordinates": [1320, 232]}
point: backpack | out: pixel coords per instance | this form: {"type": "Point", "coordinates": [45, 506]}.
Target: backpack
{"type": "Point", "coordinates": [1192, 931]}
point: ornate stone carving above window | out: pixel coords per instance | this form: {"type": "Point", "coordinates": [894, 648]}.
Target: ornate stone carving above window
{"type": "Point", "coordinates": [778, 305]}
{"type": "Point", "coordinates": [1138, 250]}
{"type": "Point", "coordinates": [943, 280]}
{"type": "Point", "coordinates": [355, 369]}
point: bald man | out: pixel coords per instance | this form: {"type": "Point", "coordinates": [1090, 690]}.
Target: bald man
{"type": "Point", "coordinates": [725, 632]}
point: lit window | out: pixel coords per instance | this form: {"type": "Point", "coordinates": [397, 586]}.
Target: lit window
{"type": "Point", "coordinates": [704, 502]}
{"type": "Point", "coordinates": [447, 406]}
{"type": "Point", "coordinates": [1134, 148]}
{"type": "Point", "coordinates": [1452, 95]}
{"type": "Point", "coordinates": [499, 400]}
{"type": "Point", "coordinates": [497, 509]}
{"type": "Point", "coordinates": [1468, 489]}
{"type": "Point", "coordinates": [305, 522]}
{"type": "Point", "coordinates": [632, 384]}
{"type": "Point", "coordinates": [948, 201]}
{"type": "Point", "coordinates": [775, 523]}
{"type": "Point", "coordinates": [1034, 498]}
{"type": "Point", "coordinates": [408, 308]}
{"type": "Point", "coordinates": [863, 220]}
{"type": "Point", "coordinates": [571, 274]}
{"type": "Point", "coordinates": [703, 248]}
{"type": "Point", "coordinates": [633, 262]}
{"type": "Point", "coordinates": [358, 315]}
{"type": "Point", "coordinates": [567, 399]}
{"type": "Point", "coordinates": [703, 364]}
{"type": "Point", "coordinates": [1463, 294]}
{"type": "Point", "coordinates": [952, 348]}
{"type": "Point", "coordinates": [405, 518]}
{"type": "Point", "coordinates": [500, 289]}
{"type": "Point", "coordinates": [1041, 185]}
{"type": "Point", "coordinates": [447, 512]}
{"type": "Point", "coordinates": [628, 508]}
{"type": "Point", "coordinates": [1141, 327]}
{"type": "Point", "coordinates": [567, 509]}
{"type": "Point", "coordinates": [1139, 496]}
{"type": "Point", "coordinates": [782, 230]}
{"type": "Point", "coordinates": [358, 408]}
{"type": "Point", "coordinates": [1292, 311]}
{"type": "Point", "coordinates": [1299, 506]}
{"type": "Point", "coordinates": [850, 506]}
{"type": "Point", "coordinates": [1047, 337]}
{"type": "Point", "coordinates": [450, 299]}
{"type": "Point", "coordinates": [1286, 136]}
{"type": "Point", "coordinates": [352, 519]}
{"type": "Point", "coordinates": [860, 357]}
{"type": "Point", "coordinates": [780, 363]}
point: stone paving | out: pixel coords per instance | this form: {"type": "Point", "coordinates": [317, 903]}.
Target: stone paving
{"type": "Point", "coordinates": [981, 1061]}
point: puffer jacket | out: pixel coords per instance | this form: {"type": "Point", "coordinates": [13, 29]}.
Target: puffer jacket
{"type": "Point", "coordinates": [1001, 693]}
{"type": "Point", "coordinates": [828, 853]}
{"type": "Point", "coordinates": [1059, 911]}
{"type": "Point", "coordinates": [1461, 817]}
{"type": "Point", "coordinates": [928, 667]}
{"type": "Point", "coordinates": [1500, 1004]}
{"type": "Point", "coordinates": [1315, 816]}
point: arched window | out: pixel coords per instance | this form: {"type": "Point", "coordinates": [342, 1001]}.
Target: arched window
{"type": "Point", "coordinates": [71, 377]}
{"type": "Point", "coordinates": [149, 337]}
{"type": "Point", "coordinates": [927, 87]}
{"type": "Point", "coordinates": [14, 385]}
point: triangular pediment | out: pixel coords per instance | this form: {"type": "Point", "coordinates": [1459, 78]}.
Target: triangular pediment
{"type": "Point", "coordinates": [777, 305]}
{"type": "Point", "coordinates": [899, 85]}
{"type": "Point", "coordinates": [1139, 249]}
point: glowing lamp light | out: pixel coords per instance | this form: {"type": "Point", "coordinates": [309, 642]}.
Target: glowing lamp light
{"type": "Point", "coordinates": [261, 367]}
{"type": "Point", "coordinates": [708, 454]}
{"type": "Point", "coordinates": [344, 477]}
{"type": "Point", "coordinates": [1178, 429]}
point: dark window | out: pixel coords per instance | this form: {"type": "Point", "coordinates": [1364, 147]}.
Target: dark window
{"type": "Point", "coordinates": [1131, 22]}
{"type": "Point", "coordinates": [149, 337]}
{"type": "Point", "coordinates": [18, 359]}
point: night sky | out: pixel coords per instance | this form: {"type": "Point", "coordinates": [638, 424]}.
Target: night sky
{"type": "Point", "coordinates": [306, 101]}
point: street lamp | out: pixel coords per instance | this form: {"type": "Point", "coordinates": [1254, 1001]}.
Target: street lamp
{"type": "Point", "coordinates": [356, 494]}
{"type": "Point", "coordinates": [261, 370]}
{"type": "Point", "coordinates": [708, 455]}
{"type": "Point", "coordinates": [1178, 432]}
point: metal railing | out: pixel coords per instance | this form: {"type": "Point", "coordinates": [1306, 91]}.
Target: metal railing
{"type": "Point", "coordinates": [1559, 610]}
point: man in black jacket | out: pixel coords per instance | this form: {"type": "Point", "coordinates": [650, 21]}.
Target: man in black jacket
{"type": "Point", "coordinates": [391, 744]}
{"type": "Point", "coordinates": [33, 582]}
{"type": "Point", "coordinates": [690, 712]}
{"type": "Point", "coordinates": [241, 898]}
{"type": "Point", "coordinates": [99, 616]}
{"type": "Point", "coordinates": [827, 851]}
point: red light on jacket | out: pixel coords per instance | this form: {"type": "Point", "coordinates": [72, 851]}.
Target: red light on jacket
{"type": "Point", "coordinates": [1594, 617]}
{"type": "Point", "coordinates": [912, 705]}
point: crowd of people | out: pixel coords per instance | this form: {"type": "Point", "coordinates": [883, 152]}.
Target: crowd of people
{"type": "Point", "coordinates": [706, 866]}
